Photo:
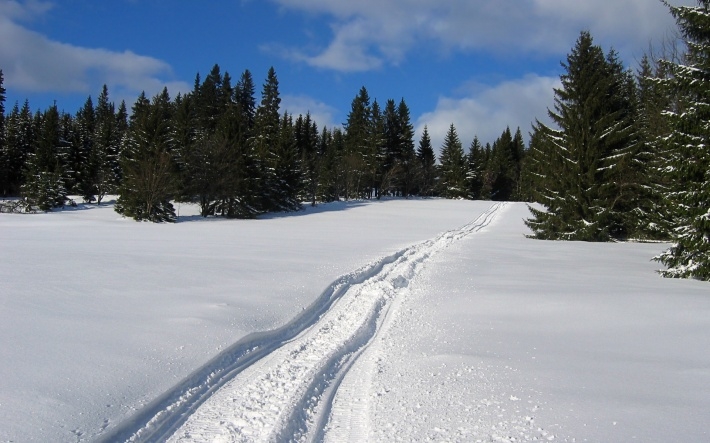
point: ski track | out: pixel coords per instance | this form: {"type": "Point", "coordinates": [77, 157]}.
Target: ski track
{"type": "Point", "coordinates": [280, 385]}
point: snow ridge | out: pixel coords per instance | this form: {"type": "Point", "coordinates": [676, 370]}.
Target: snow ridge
{"type": "Point", "coordinates": [280, 385]}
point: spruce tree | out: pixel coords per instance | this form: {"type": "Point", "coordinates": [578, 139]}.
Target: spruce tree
{"type": "Point", "coordinates": [534, 170]}
{"type": "Point", "coordinates": [453, 168]}
{"type": "Point", "coordinates": [408, 168]}
{"type": "Point", "coordinates": [45, 184]}
{"type": "Point", "coordinates": [688, 162]}
{"type": "Point", "coordinates": [585, 156]}
{"type": "Point", "coordinates": [328, 167]}
{"type": "Point", "coordinates": [306, 133]}
{"type": "Point", "coordinates": [654, 218]}
{"type": "Point", "coordinates": [149, 183]}
{"type": "Point", "coordinates": [84, 157]}
{"type": "Point", "coordinates": [20, 135]}
{"type": "Point", "coordinates": [376, 150]}
{"type": "Point", "coordinates": [427, 164]}
{"type": "Point", "coordinates": [476, 169]}
{"type": "Point", "coordinates": [357, 154]}
{"type": "Point", "coordinates": [286, 164]}
{"type": "Point", "coordinates": [4, 150]}
{"type": "Point", "coordinates": [391, 149]}
{"type": "Point", "coordinates": [244, 98]}
{"type": "Point", "coordinates": [264, 140]}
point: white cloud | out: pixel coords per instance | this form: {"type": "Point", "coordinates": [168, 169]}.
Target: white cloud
{"type": "Point", "coordinates": [323, 114]}
{"type": "Point", "coordinates": [31, 62]}
{"type": "Point", "coordinates": [24, 11]}
{"type": "Point", "coordinates": [486, 111]}
{"type": "Point", "coordinates": [369, 33]}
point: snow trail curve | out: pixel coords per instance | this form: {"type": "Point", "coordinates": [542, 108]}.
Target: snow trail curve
{"type": "Point", "coordinates": [280, 385]}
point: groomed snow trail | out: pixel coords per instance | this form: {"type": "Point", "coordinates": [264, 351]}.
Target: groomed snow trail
{"type": "Point", "coordinates": [280, 386]}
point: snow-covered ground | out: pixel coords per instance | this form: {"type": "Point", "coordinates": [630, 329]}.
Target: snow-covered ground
{"type": "Point", "coordinates": [362, 321]}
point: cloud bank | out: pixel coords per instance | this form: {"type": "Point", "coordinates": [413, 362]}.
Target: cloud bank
{"type": "Point", "coordinates": [486, 111]}
{"type": "Point", "coordinates": [32, 62]}
{"type": "Point", "coordinates": [370, 33]}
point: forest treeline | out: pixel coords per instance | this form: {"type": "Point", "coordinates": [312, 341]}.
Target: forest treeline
{"type": "Point", "coordinates": [627, 155]}
{"type": "Point", "coordinates": [238, 157]}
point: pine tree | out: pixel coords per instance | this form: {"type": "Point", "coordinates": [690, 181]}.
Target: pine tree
{"type": "Point", "coordinates": [688, 162]}
{"type": "Point", "coordinates": [408, 168]}
{"type": "Point", "coordinates": [476, 169]}
{"type": "Point", "coordinates": [306, 133]}
{"type": "Point", "coordinates": [328, 189]}
{"type": "Point", "coordinates": [391, 149]}
{"type": "Point", "coordinates": [4, 150]}
{"type": "Point", "coordinates": [376, 150]}
{"type": "Point", "coordinates": [44, 186]}
{"type": "Point", "coordinates": [148, 169]}
{"type": "Point", "coordinates": [185, 133]}
{"type": "Point", "coordinates": [244, 98]}
{"type": "Point", "coordinates": [427, 164]}
{"type": "Point", "coordinates": [535, 172]}
{"type": "Point", "coordinates": [502, 166]}
{"type": "Point", "coordinates": [84, 159]}
{"type": "Point", "coordinates": [20, 138]}
{"type": "Point", "coordinates": [585, 156]}
{"type": "Point", "coordinates": [357, 155]}
{"type": "Point", "coordinates": [452, 172]}
{"type": "Point", "coordinates": [265, 139]}
{"type": "Point", "coordinates": [286, 164]}
{"type": "Point", "coordinates": [654, 218]}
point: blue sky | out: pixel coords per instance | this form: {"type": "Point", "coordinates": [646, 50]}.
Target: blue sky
{"type": "Point", "coordinates": [480, 64]}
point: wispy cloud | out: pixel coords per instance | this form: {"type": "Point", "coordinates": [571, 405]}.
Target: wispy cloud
{"type": "Point", "coordinates": [32, 62]}
{"type": "Point", "coordinates": [486, 111]}
{"type": "Point", "coordinates": [369, 33]}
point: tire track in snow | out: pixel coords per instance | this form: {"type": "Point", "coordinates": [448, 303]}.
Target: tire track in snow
{"type": "Point", "coordinates": [280, 385]}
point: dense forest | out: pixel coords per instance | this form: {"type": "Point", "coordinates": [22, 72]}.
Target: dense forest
{"type": "Point", "coordinates": [236, 157]}
{"type": "Point", "coordinates": [627, 158]}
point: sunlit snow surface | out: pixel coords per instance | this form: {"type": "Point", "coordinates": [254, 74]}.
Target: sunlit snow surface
{"type": "Point", "coordinates": [494, 337]}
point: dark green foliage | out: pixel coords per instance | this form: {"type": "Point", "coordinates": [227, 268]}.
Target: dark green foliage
{"type": "Point", "coordinates": [359, 156]}
{"type": "Point", "coordinates": [687, 148]}
{"type": "Point", "coordinates": [504, 166]}
{"type": "Point", "coordinates": [19, 140]}
{"type": "Point", "coordinates": [653, 216]}
{"type": "Point", "coordinates": [287, 170]}
{"type": "Point", "coordinates": [45, 179]}
{"type": "Point", "coordinates": [331, 147]}
{"type": "Point", "coordinates": [453, 168]}
{"type": "Point", "coordinates": [584, 160]}
{"type": "Point", "coordinates": [408, 171]}
{"type": "Point", "coordinates": [266, 142]}
{"type": "Point", "coordinates": [4, 150]}
{"type": "Point", "coordinates": [306, 138]}
{"type": "Point", "coordinates": [476, 174]}
{"type": "Point", "coordinates": [427, 165]}
{"type": "Point", "coordinates": [149, 181]}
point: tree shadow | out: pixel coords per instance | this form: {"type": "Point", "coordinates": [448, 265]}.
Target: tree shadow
{"type": "Point", "coordinates": [306, 210]}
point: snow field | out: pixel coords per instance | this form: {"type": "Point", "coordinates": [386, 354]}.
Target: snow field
{"type": "Point", "coordinates": [280, 397]}
{"type": "Point", "coordinates": [103, 319]}
{"type": "Point", "coordinates": [112, 329]}
{"type": "Point", "coordinates": [503, 338]}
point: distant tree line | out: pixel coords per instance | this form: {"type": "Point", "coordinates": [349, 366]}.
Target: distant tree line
{"type": "Point", "coordinates": [237, 157]}
{"type": "Point", "coordinates": [627, 157]}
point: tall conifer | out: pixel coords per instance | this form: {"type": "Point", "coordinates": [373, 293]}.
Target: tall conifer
{"type": "Point", "coordinates": [584, 157]}
{"type": "Point", "coordinates": [688, 162]}
{"type": "Point", "coordinates": [453, 168]}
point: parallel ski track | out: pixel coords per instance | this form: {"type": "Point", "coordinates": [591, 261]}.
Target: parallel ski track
{"type": "Point", "coordinates": [279, 385]}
